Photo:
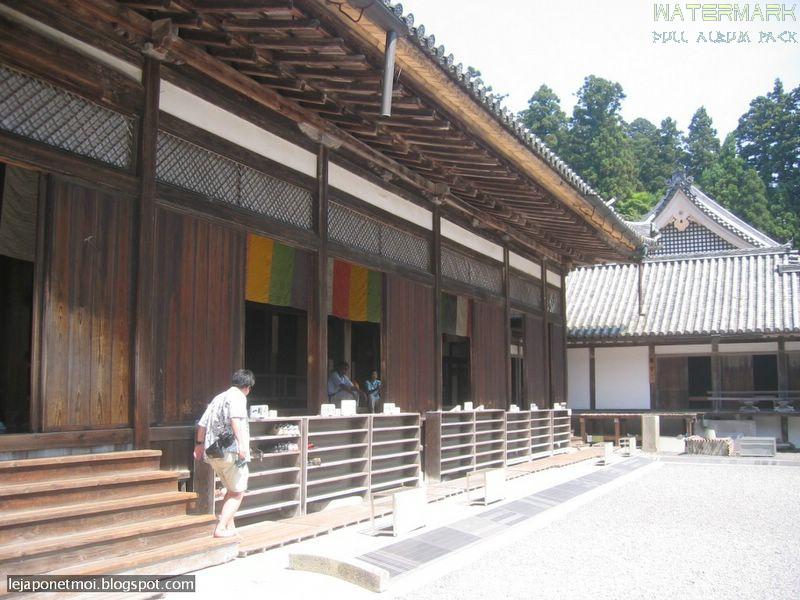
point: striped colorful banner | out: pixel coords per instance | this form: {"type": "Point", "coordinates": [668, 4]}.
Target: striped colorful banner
{"type": "Point", "coordinates": [276, 273]}
{"type": "Point", "coordinates": [355, 293]}
{"type": "Point", "coordinates": [455, 315]}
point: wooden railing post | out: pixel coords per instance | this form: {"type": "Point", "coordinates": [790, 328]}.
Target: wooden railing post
{"type": "Point", "coordinates": [203, 486]}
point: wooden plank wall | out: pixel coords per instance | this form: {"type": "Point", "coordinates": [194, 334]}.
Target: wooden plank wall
{"type": "Point", "coordinates": [488, 357]}
{"type": "Point", "coordinates": [736, 372]}
{"type": "Point", "coordinates": [558, 378]}
{"type": "Point", "coordinates": [535, 372]}
{"type": "Point", "coordinates": [409, 380]}
{"type": "Point", "coordinates": [672, 382]}
{"type": "Point", "coordinates": [199, 313]}
{"type": "Point", "coordinates": [86, 327]}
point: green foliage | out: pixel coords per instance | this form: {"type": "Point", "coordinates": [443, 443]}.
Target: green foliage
{"type": "Point", "coordinates": [545, 118]}
{"type": "Point", "coordinates": [755, 173]}
{"type": "Point", "coordinates": [739, 189]}
{"type": "Point", "coordinates": [598, 147]}
{"type": "Point", "coordinates": [702, 144]}
{"type": "Point", "coordinates": [768, 139]}
{"type": "Point", "coordinates": [636, 206]}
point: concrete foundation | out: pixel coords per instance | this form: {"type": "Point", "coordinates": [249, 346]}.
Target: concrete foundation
{"type": "Point", "coordinates": [651, 433]}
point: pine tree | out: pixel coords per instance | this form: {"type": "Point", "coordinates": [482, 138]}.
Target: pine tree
{"type": "Point", "coordinates": [545, 118]}
{"type": "Point", "coordinates": [739, 189]}
{"type": "Point", "coordinates": [702, 143]}
{"type": "Point", "coordinates": [598, 147]}
{"type": "Point", "coordinates": [768, 139]}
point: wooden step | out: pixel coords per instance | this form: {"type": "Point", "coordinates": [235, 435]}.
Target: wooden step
{"type": "Point", "coordinates": [24, 496]}
{"type": "Point", "coordinates": [78, 465]}
{"type": "Point", "coordinates": [172, 559]}
{"type": "Point", "coordinates": [39, 555]}
{"type": "Point", "coordinates": [20, 525]}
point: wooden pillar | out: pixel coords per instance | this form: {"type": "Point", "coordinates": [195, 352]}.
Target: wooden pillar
{"type": "Point", "coordinates": [617, 430]}
{"type": "Point", "coordinates": [507, 328]}
{"type": "Point", "coordinates": [582, 421]}
{"type": "Point", "coordinates": [651, 373]}
{"type": "Point", "coordinates": [318, 305]}
{"type": "Point", "coordinates": [144, 267]}
{"type": "Point", "coordinates": [783, 366]}
{"type": "Point", "coordinates": [546, 338]}
{"type": "Point", "coordinates": [565, 376]}
{"type": "Point", "coordinates": [436, 267]}
{"type": "Point", "coordinates": [592, 380]}
{"type": "Point", "coordinates": [783, 385]}
{"type": "Point", "coordinates": [716, 371]}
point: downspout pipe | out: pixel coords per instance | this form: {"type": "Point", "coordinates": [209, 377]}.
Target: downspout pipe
{"type": "Point", "coordinates": [388, 73]}
{"type": "Point", "coordinates": [384, 17]}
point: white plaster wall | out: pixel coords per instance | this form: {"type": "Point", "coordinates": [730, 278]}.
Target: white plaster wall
{"type": "Point", "coordinates": [768, 426]}
{"type": "Point", "coordinates": [681, 349]}
{"type": "Point", "coordinates": [578, 377]}
{"type": "Point", "coordinates": [622, 378]}
{"type": "Point", "coordinates": [752, 348]}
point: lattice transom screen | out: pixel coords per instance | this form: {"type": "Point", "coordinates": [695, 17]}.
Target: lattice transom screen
{"type": "Point", "coordinates": [209, 174]}
{"type": "Point", "coordinates": [34, 109]}
{"type": "Point", "coordinates": [554, 301]}
{"type": "Point", "coordinates": [350, 228]}
{"type": "Point", "coordinates": [526, 292]}
{"type": "Point", "coordinates": [695, 238]}
{"type": "Point", "coordinates": [460, 267]}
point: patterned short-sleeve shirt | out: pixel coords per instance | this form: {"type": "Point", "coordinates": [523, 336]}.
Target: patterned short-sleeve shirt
{"type": "Point", "coordinates": [230, 404]}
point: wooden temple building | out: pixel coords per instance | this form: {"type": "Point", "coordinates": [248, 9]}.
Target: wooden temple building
{"type": "Point", "coordinates": [194, 186]}
{"type": "Point", "coordinates": [710, 319]}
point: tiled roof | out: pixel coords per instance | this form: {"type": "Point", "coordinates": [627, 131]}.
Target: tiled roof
{"type": "Point", "coordinates": [708, 206]}
{"type": "Point", "coordinates": [493, 103]}
{"type": "Point", "coordinates": [734, 292]}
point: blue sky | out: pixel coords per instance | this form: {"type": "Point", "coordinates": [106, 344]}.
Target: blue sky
{"type": "Point", "coordinates": [520, 44]}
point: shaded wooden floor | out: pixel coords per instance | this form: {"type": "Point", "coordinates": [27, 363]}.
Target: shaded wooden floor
{"type": "Point", "coordinates": [259, 537]}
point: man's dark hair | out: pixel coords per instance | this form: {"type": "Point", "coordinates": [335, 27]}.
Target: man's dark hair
{"type": "Point", "coordinates": [243, 378]}
{"type": "Point", "coordinates": [342, 365]}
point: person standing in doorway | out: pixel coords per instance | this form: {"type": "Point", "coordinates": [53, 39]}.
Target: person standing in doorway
{"type": "Point", "coordinates": [223, 439]}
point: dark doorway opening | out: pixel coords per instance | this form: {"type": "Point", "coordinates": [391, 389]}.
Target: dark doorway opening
{"type": "Point", "coordinates": [19, 197]}
{"type": "Point", "coordinates": [455, 370]}
{"type": "Point", "coordinates": [699, 381]}
{"type": "Point", "coordinates": [276, 352]}
{"type": "Point", "coordinates": [357, 343]}
{"type": "Point", "coordinates": [765, 372]}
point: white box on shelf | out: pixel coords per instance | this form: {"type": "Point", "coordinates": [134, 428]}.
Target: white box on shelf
{"type": "Point", "coordinates": [327, 410]}
{"type": "Point", "coordinates": [395, 410]}
{"type": "Point", "coordinates": [348, 408]}
{"type": "Point", "coordinates": [480, 407]}
{"type": "Point", "coordinates": [513, 408]}
{"type": "Point", "coordinates": [456, 408]}
{"type": "Point", "coordinates": [273, 414]}
{"type": "Point", "coordinates": [467, 405]}
{"type": "Point", "coordinates": [337, 412]}
{"type": "Point", "coordinates": [388, 407]}
{"type": "Point", "coordinates": [259, 411]}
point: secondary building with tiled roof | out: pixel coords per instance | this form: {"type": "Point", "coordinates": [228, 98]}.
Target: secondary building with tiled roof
{"type": "Point", "coordinates": [715, 307]}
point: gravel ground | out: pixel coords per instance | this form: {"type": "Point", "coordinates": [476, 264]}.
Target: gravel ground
{"type": "Point", "coordinates": [679, 531]}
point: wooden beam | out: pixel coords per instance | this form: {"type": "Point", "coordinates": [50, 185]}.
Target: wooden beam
{"type": "Point", "coordinates": [267, 7]}
{"type": "Point", "coordinates": [144, 271]}
{"type": "Point", "coordinates": [265, 25]}
{"type": "Point", "coordinates": [546, 393]}
{"type": "Point", "coordinates": [334, 44]}
{"type": "Point", "coordinates": [208, 38]}
{"type": "Point", "coordinates": [40, 268]}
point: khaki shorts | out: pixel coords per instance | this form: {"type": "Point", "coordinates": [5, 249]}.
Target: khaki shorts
{"type": "Point", "coordinates": [233, 478]}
